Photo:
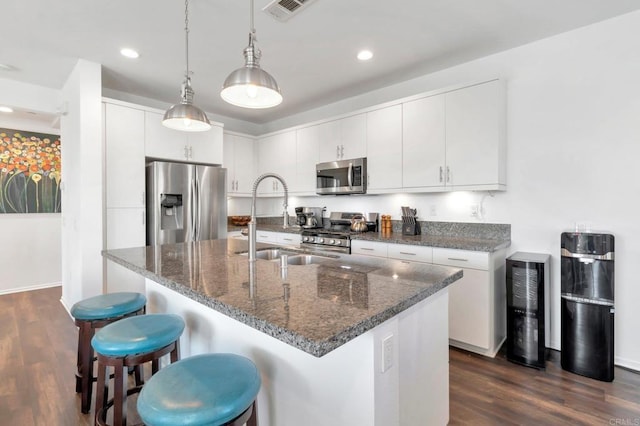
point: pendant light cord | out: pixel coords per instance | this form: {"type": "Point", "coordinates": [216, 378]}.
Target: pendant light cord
{"type": "Point", "coordinates": [252, 27]}
{"type": "Point", "coordinates": [186, 33]}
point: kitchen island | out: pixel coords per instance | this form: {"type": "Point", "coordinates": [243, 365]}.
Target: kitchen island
{"type": "Point", "coordinates": [342, 341]}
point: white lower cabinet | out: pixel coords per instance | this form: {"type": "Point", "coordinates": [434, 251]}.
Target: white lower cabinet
{"type": "Point", "coordinates": [410, 253]}
{"type": "Point", "coordinates": [477, 302]}
{"type": "Point", "coordinates": [279, 238]}
{"type": "Point", "coordinates": [288, 239]}
{"type": "Point", "coordinates": [369, 248]}
{"type": "Point", "coordinates": [266, 237]}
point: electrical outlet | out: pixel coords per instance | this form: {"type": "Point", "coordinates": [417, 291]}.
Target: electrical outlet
{"type": "Point", "coordinates": [432, 210]}
{"type": "Point", "coordinates": [475, 209]}
{"type": "Point", "coordinates": [387, 353]}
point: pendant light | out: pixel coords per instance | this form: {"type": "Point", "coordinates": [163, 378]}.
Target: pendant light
{"type": "Point", "coordinates": [185, 116]}
{"type": "Point", "coordinates": [251, 86]}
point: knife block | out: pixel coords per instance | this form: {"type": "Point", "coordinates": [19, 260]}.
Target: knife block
{"type": "Point", "coordinates": [411, 229]}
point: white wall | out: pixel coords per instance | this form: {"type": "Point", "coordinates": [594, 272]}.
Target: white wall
{"type": "Point", "coordinates": [31, 242]}
{"type": "Point", "coordinates": [573, 152]}
{"type": "Point", "coordinates": [82, 194]}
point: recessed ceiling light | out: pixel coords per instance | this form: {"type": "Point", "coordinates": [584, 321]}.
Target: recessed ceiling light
{"type": "Point", "coordinates": [5, 109]}
{"type": "Point", "coordinates": [129, 53]}
{"type": "Point", "coordinates": [365, 55]}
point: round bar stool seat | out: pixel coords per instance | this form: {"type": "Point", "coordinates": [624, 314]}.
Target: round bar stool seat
{"type": "Point", "coordinates": [128, 343]}
{"type": "Point", "coordinates": [209, 389]}
{"type": "Point", "coordinates": [91, 314]}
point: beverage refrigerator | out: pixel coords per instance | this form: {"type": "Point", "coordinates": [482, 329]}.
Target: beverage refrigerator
{"type": "Point", "coordinates": [587, 304]}
{"type": "Point", "coordinates": [185, 202]}
{"type": "Point", "coordinates": [527, 277]}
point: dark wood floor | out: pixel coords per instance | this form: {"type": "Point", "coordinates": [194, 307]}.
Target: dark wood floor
{"type": "Point", "coordinates": [37, 385]}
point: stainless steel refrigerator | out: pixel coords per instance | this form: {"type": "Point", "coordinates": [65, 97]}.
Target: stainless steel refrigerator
{"type": "Point", "coordinates": [185, 202]}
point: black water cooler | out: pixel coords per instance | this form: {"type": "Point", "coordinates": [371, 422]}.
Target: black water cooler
{"type": "Point", "coordinates": [587, 308]}
{"type": "Point", "coordinates": [527, 276]}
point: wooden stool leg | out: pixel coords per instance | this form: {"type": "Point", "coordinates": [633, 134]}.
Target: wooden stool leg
{"type": "Point", "coordinates": [119, 394]}
{"type": "Point", "coordinates": [85, 369]}
{"type": "Point", "coordinates": [101, 394]}
{"type": "Point", "coordinates": [253, 419]}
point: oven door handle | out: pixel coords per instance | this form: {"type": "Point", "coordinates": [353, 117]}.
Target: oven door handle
{"type": "Point", "coordinates": [350, 175]}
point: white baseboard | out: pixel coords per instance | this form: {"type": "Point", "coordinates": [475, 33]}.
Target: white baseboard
{"type": "Point", "coordinates": [627, 363]}
{"type": "Point", "coordinates": [30, 288]}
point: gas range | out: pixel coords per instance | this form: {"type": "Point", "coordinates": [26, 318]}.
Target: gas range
{"type": "Point", "coordinates": [337, 237]}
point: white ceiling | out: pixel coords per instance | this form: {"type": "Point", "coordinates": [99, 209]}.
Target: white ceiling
{"type": "Point", "coordinates": [312, 56]}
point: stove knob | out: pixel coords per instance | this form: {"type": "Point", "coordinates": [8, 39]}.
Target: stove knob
{"type": "Point", "coordinates": [338, 242]}
{"type": "Point", "coordinates": [305, 238]}
{"type": "Point", "coordinates": [321, 240]}
{"type": "Point", "coordinates": [332, 241]}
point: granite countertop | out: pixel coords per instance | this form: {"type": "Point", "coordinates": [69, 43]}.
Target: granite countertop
{"type": "Point", "coordinates": [315, 308]}
{"type": "Point", "coordinates": [456, 240]}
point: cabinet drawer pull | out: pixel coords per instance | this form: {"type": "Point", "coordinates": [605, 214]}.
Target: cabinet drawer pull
{"type": "Point", "coordinates": [367, 249]}
{"type": "Point", "coordinates": [288, 239]}
{"type": "Point", "coordinates": [458, 259]}
{"type": "Point", "coordinates": [407, 253]}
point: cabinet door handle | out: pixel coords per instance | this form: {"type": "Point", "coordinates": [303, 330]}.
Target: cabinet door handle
{"type": "Point", "coordinates": [338, 152]}
{"type": "Point", "coordinates": [186, 153]}
{"type": "Point", "coordinates": [190, 151]}
{"type": "Point", "coordinates": [448, 174]}
{"type": "Point", "coordinates": [407, 253]}
{"type": "Point", "coordinates": [143, 218]}
{"type": "Point", "coordinates": [441, 175]}
{"type": "Point", "coordinates": [142, 199]}
{"type": "Point", "coordinates": [236, 185]}
{"type": "Point", "coordinates": [458, 259]}
{"type": "Point", "coordinates": [341, 151]}
{"type": "Point", "coordinates": [366, 249]}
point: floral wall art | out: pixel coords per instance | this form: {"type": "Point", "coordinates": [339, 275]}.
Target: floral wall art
{"type": "Point", "coordinates": [29, 172]}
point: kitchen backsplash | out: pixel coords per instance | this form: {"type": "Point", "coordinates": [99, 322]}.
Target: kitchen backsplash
{"type": "Point", "coordinates": [489, 231]}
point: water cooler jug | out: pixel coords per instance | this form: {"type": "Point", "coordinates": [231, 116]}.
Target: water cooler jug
{"type": "Point", "coordinates": [527, 276]}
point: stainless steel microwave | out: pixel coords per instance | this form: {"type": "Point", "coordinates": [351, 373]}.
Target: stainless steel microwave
{"type": "Point", "coordinates": [342, 177]}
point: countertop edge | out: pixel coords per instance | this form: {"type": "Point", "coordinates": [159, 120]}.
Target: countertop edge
{"type": "Point", "coordinates": [312, 347]}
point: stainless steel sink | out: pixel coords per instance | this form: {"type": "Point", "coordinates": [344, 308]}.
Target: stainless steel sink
{"type": "Point", "coordinates": [293, 258]}
{"type": "Point", "coordinates": [269, 254]}
{"type": "Point", "coordinates": [304, 259]}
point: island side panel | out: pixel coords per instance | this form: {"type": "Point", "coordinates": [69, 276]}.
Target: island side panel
{"type": "Point", "coordinates": [297, 388]}
{"type": "Point", "coordinates": [345, 387]}
{"type": "Point", "coordinates": [424, 362]}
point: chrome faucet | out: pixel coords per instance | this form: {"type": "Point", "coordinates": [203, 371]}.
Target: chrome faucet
{"type": "Point", "coordinates": [252, 222]}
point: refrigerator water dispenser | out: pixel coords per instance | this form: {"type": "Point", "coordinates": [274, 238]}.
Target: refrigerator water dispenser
{"type": "Point", "coordinates": [171, 209]}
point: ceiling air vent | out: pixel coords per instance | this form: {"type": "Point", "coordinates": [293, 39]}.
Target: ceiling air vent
{"type": "Point", "coordinates": [283, 10]}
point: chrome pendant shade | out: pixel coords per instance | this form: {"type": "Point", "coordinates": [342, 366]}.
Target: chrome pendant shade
{"type": "Point", "coordinates": [251, 86]}
{"type": "Point", "coordinates": [185, 116]}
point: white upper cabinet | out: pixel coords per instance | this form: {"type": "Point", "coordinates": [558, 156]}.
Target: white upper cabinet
{"type": "Point", "coordinates": [174, 145]}
{"type": "Point", "coordinates": [124, 151]}
{"type": "Point", "coordinates": [456, 140]}
{"type": "Point", "coordinates": [239, 160]}
{"type": "Point", "coordinates": [342, 139]}
{"type": "Point", "coordinates": [423, 143]}
{"type": "Point", "coordinates": [307, 155]}
{"type": "Point", "coordinates": [384, 148]}
{"type": "Point", "coordinates": [475, 129]}
{"type": "Point", "coordinates": [277, 154]}
{"type": "Point", "coordinates": [206, 147]}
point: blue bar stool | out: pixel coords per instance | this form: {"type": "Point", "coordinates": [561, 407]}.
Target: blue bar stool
{"type": "Point", "coordinates": [91, 314]}
{"type": "Point", "coordinates": [128, 343]}
{"type": "Point", "coordinates": [209, 389]}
